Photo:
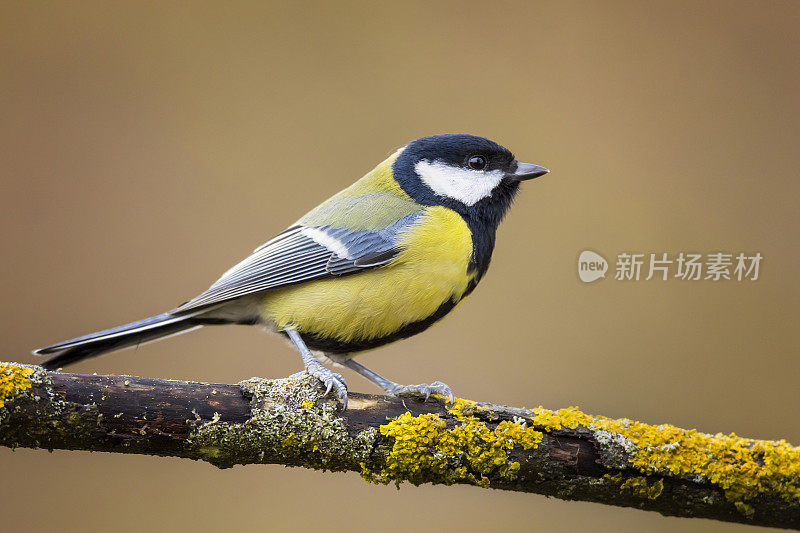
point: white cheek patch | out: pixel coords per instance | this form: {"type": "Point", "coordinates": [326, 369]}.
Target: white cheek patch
{"type": "Point", "coordinates": [465, 185]}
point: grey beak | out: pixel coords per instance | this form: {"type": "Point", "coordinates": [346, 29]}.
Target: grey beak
{"type": "Point", "coordinates": [528, 171]}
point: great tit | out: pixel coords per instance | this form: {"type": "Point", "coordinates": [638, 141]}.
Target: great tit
{"type": "Point", "coordinates": [378, 262]}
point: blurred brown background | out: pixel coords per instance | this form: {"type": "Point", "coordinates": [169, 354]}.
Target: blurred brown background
{"type": "Point", "coordinates": [146, 147]}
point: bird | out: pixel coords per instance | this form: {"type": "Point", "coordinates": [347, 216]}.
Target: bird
{"type": "Point", "coordinates": [378, 262]}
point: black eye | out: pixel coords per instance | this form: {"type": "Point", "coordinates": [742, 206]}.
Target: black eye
{"type": "Point", "coordinates": [477, 162]}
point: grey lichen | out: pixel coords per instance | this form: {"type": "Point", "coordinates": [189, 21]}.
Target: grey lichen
{"type": "Point", "coordinates": [615, 449]}
{"type": "Point", "coordinates": [291, 424]}
{"type": "Point", "coordinates": [48, 418]}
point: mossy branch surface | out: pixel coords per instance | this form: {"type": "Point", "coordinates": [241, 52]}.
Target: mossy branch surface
{"type": "Point", "coordinates": [566, 453]}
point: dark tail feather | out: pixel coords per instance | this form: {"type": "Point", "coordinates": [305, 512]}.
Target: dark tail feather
{"type": "Point", "coordinates": [94, 344]}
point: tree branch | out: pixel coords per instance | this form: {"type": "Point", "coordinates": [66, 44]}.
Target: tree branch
{"type": "Point", "coordinates": [566, 453]}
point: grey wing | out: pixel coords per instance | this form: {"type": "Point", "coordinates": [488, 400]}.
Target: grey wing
{"type": "Point", "coordinates": [304, 253]}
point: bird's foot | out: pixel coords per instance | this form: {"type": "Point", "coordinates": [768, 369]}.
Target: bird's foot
{"type": "Point", "coordinates": [330, 379]}
{"type": "Point", "coordinates": [423, 389]}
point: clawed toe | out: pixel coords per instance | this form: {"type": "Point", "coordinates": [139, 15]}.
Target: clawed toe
{"type": "Point", "coordinates": [442, 388]}
{"type": "Point", "coordinates": [423, 389]}
{"type": "Point", "coordinates": [332, 381]}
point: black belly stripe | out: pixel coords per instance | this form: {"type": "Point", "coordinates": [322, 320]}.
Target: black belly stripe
{"type": "Point", "coordinates": [336, 346]}
{"type": "Point", "coordinates": [331, 345]}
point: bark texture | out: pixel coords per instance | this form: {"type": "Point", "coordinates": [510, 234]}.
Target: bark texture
{"type": "Point", "coordinates": [566, 454]}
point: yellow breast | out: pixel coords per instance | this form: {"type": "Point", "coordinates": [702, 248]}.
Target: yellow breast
{"type": "Point", "coordinates": [430, 270]}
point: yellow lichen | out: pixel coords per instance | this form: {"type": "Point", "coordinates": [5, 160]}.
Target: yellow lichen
{"type": "Point", "coordinates": [570, 417]}
{"type": "Point", "coordinates": [466, 409]}
{"type": "Point", "coordinates": [745, 508]}
{"type": "Point", "coordinates": [290, 440]}
{"type": "Point", "coordinates": [743, 468]}
{"type": "Point", "coordinates": [306, 404]}
{"type": "Point", "coordinates": [462, 408]}
{"type": "Point", "coordinates": [641, 489]}
{"type": "Point", "coordinates": [426, 450]}
{"type": "Point", "coordinates": [14, 379]}
{"type": "Point", "coordinates": [516, 433]}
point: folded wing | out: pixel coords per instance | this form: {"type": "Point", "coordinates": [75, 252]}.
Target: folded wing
{"type": "Point", "coordinates": [305, 253]}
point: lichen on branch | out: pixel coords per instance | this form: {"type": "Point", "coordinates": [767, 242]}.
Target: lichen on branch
{"type": "Point", "coordinates": [565, 453]}
{"type": "Point", "coordinates": [290, 424]}
{"type": "Point", "coordinates": [426, 450]}
{"type": "Point", "coordinates": [14, 379]}
{"type": "Point", "coordinates": [742, 468]}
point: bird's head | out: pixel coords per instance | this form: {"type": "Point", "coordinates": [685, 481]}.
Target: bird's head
{"type": "Point", "coordinates": [471, 175]}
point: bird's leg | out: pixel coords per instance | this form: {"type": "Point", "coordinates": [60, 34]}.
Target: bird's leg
{"type": "Point", "coordinates": [395, 389]}
{"type": "Point", "coordinates": [329, 378]}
